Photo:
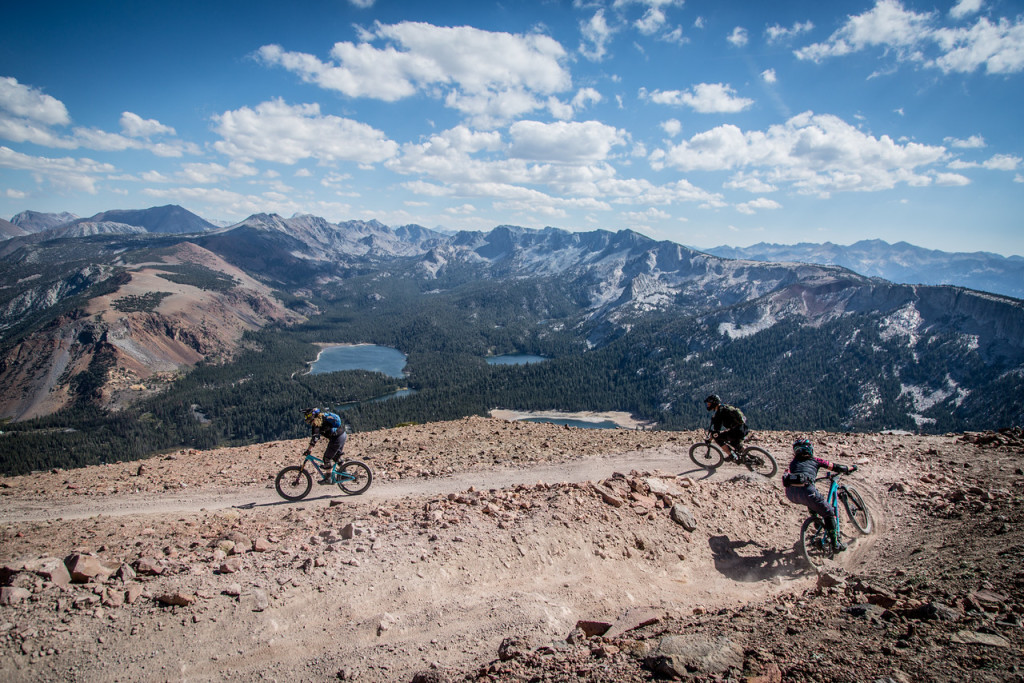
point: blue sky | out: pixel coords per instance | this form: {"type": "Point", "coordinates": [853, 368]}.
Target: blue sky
{"type": "Point", "coordinates": [704, 123]}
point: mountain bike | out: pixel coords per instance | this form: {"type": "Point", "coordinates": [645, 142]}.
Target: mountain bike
{"type": "Point", "coordinates": [815, 540]}
{"type": "Point", "coordinates": [295, 481]}
{"type": "Point", "coordinates": [709, 455]}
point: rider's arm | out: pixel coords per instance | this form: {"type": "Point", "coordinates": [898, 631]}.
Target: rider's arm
{"type": "Point", "coordinates": [841, 469]}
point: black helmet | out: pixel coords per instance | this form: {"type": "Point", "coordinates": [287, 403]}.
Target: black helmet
{"type": "Point", "coordinates": [712, 401]}
{"type": "Point", "coordinates": [803, 448]}
{"type": "Point", "coordinates": [310, 414]}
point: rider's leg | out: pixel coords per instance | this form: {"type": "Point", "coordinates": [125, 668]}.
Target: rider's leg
{"type": "Point", "coordinates": [332, 454]}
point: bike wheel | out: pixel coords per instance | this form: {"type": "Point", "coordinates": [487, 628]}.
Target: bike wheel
{"type": "Point", "coordinates": [706, 455]}
{"type": "Point", "coordinates": [814, 543]}
{"type": "Point", "coordinates": [293, 482]}
{"type": "Point", "coordinates": [760, 461]}
{"type": "Point", "coordinates": [354, 477]}
{"type": "Point", "coordinates": [856, 509]}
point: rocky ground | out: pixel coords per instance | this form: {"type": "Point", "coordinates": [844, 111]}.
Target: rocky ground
{"type": "Point", "coordinates": [495, 551]}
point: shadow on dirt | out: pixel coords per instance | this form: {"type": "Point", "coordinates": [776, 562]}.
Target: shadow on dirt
{"type": "Point", "coordinates": [747, 561]}
{"type": "Point", "coordinates": [250, 506]}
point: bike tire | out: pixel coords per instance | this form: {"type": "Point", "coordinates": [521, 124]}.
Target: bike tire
{"type": "Point", "coordinates": [760, 461]}
{"type": "Point", "coordinates": [857, 510]}
{"type": "Point", "coordinates": [293, 483]}
{"type": "Point", "coordinates": [354, 477]}
{"type": "Point", "coordinates": [706, 455]}
{"type": "Point", "coordinates": [815, 544]}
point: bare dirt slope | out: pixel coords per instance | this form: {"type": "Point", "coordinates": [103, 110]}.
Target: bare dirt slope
{"type": "Point", "coordinates": [489, 550]}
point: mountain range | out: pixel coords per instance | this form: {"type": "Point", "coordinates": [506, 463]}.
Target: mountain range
{"type": "Point", "coordinates": [900, 262]}
{"type": "Point", "coordinates": [125, 295]}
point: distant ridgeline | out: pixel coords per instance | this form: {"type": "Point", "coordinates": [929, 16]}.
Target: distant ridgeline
{"type": "Point", "coordinates": [628, 323]}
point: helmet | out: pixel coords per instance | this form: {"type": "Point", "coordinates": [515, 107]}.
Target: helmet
{"type": "Point", "coordinates": [310, 414]}
{"type": "Point", "coordinates": [803, 447]}
{"type": "Point", "coordinates": [712, 401]}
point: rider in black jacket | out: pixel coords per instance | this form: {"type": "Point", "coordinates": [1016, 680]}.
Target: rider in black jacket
{"type": "Point", "coordinates": [800, 489]}
{"type": "Point", "coordinates": [728, 425]}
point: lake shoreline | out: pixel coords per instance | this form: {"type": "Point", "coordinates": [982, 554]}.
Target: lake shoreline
{"type": "Point", "coordinates": [622, 419]}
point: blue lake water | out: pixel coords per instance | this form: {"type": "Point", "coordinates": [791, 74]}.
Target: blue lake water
{"type": "Point", "coordinates": [586, 424]}
{"type": "Point", "coordinates": [515, 359]}
{"type": "Point", "coordinates": [370, 357]}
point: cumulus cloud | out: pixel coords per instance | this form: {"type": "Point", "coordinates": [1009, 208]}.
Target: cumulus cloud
{"type": "Point", "coordinates": [768, 76]}
{"type": "Point", "coordinates": [32, 104]}
{"type": "Point", "coordinates": [706, 98]}
{"type": "Point", "coordinates": [276, 131]}
{"type": "Point", "coordinates": [672, 127]}
{"type": "Point", "coordinates": [738, 37]}
{"type": "Point", "coordinates": [812, 153]}
{"type": "Point", "coordinates": [973, 142]}
{"type": "Point", "coordinates": [761, 203]}
{"type": "Point", "coordinates": [135, 126]}
{"type": "Point", "coordinates": [777, 34]}
{"type": "Point", "coordinates": [998, 46]}
{"type": "Point", "coordinates": [965, 7]}
{"type": "Point", "coordinates": [596, 34]}
{"type": "Point", "coordinates": [29, 115]}
{"type": "Point", "coordinates": [564, 142]}
{"type": "Point", "coordinates": [490, 77]}
{"type": "Point", "coordinates": [65, 173]}
{"type": "Point", "coordinates": [1002, 162]}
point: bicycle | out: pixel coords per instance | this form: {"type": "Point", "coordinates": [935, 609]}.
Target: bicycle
{"type": "Point", "coordinates": [816, 542]}
{"type": "Point", "coordinates": [295, 481]}
{"type": "Point", "coordinates": [709, 455]}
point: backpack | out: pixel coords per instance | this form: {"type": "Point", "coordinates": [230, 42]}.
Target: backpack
{"type": "Point", "coordinates": [332, 423]}
{"type": "Point", "coordinates": [733, 417]}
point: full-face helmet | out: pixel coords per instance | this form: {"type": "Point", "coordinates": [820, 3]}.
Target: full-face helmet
{"type": "Point", "coordinates": [802, 448]}
{"type": "Point", "coordinates": [310, 415]}
{"type": "Point", "coordinates": [712, 402]}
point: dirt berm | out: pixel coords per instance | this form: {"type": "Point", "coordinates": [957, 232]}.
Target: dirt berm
{"type": "Point", "coordinates": [487, 550]}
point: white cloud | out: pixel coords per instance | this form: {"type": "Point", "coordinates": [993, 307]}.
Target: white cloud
{"type": "Point", "coordinates": [812, 153]}
{"type": "Point", "coordinates": [768, 76]}
{"type": "Point", "coordinates": [275, 131]}
{"type": "Point", "coordinates": [965, 7]}
{"type": "Point", "coordinates": [362, 4]}
{"type": "Point", "coordinates": [564, 142]}
{"type": "Point", "coordinates": [951, 179]}
{"type": "Point", "coordinates": [706, 98]}
{"type": "Point", "coordinates": [651, 22]}
{"type": "Point", "coordinates": [1002, 162]}
{"type": "Point", "coordinates": [738, 37]}
{"type": "Point", "coordinates": [777, 33]}
{"type": "Point", "coordinates": [489, 76]}
{"type": "Point", "coordinates": [135, 126]}
{"type": "Point", "coordinates": [998, 47]}
{"type": "Point", "coordinates": [585, 97]}
{"type": "Point", "coordinates": [750, 183]}
{"type": "Point", "coordinates": [672, 127]}
{"type": "Point", "coordinates": [973, 142]}
{"type": "Point", "coordinates": [761, 203]}
{"type": "Point", "coordinates": [910, 36]}
{"type": "Point", "coordinates": [596, 34]}
{"type": "Point", "coordinates": [75, 174]}
{"type": "Point", "coordinates": [26, 102]}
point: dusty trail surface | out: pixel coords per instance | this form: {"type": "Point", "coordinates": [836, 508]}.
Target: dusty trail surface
{"type": "Point", "coordinates": [489, 550]}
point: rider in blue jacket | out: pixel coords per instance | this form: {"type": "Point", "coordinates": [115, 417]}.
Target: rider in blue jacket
{"type": "Point", "coordinates": [800, 489]}
{"type": "Point", "coordinates": [327, 424]}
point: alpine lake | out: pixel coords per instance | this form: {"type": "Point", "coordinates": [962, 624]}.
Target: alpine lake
{"type": "Point", "coordinates": [391, 362]}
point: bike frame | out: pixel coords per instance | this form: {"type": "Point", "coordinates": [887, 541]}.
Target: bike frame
{"type": "Point", "coordinates": [334, 474]}
{"type": "Point", "coordinates": [832, 498]}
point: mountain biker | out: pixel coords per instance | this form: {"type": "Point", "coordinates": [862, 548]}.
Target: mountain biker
{"type": "Point", "coordinates": [728, 425]}
{"type": "Point", "coordinates": [328, 424]}
{"type": "Point", "coordinates": [800, 489]}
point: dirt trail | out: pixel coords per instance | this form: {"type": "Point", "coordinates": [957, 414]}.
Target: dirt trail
{"type": "Point", "coordinates": [474, 532]}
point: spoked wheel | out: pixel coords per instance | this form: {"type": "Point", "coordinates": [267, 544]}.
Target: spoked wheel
{"type": "Point", "coordinates": [815, 544]}
{"type": "Point", "coordinates": [760, 461]}
{"type": "Point", "coordinates": [293, 482]}
{"type": "Point", "coordinates": [354, 477]}
{"type": "Point", "coordinates": [857, 510]}
{"type": "Point", "coordinates": [706, 455]}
